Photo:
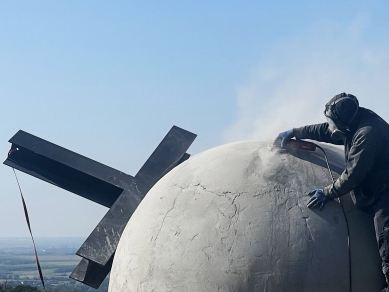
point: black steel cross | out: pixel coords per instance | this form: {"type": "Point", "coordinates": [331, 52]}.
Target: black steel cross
{"type": "Point", "coordinates": [118, 191]}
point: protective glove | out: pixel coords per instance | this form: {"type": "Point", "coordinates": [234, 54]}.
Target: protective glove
{"type": "Point", "coordinates": [318, 199]}
{"type": "Point", "coordinates": [284, 137]}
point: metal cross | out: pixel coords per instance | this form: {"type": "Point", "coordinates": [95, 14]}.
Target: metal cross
{"type": "Point", "coordinates": [118, 191]}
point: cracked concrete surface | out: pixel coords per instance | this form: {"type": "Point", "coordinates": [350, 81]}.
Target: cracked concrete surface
{"type": "Point", "coordinates": [233, 218]}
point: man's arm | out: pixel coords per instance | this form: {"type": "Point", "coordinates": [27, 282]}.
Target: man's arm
{"type": "Point", "coordinates": [360, 161]}
{"type": "Point", "coordinates": [318, 132]}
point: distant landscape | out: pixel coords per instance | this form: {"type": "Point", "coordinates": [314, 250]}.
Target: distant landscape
{"type": "Point", "coordinates": [57, 259]}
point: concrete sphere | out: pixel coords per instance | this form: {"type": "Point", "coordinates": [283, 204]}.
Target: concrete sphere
{"type": "Point", "coordinates": [234, 218]}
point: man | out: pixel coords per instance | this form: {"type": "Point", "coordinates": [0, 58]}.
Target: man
{"type": "Point", "coordinates": [365, 137]}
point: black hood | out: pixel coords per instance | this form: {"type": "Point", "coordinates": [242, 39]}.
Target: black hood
{"type": "Point", "coordinates": [342, 108]}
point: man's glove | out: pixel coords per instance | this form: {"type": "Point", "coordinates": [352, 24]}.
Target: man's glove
{"type": "Point", "coordinates": [318, 199]}
{"type": "Point", "coordinates": [284, 137]}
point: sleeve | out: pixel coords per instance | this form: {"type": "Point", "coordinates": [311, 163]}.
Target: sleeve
{"type": "Point", "coordinates": [318, 132]}
{"type": "Point", "coordinates": [359, 162]}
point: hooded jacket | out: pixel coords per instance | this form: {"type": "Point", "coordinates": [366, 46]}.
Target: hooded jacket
{"type": "Point", "coordinates": [366, 149]}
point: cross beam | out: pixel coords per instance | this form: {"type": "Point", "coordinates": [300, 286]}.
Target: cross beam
{"type": "Point", "coordinates": [118, 191]}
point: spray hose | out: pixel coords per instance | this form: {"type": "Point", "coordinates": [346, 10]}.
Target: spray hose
{"type": "Point", "coordinates": [328, 165]}
{"type": "Point", "coordinates": [310, 146]}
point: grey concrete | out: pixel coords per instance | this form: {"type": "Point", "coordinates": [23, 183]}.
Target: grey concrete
{"type": "Point", "coordinates": [233, 218]}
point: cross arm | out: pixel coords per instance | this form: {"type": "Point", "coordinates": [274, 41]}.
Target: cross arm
{"type": "Point", "coordinates": [66, 169]}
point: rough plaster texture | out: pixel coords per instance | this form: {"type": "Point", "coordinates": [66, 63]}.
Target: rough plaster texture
{"type": "Point", "coordinates": [233, 218]}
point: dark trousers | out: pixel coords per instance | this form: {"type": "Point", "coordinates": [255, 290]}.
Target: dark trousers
{"type": "Point", "coordinates": [381, 224]}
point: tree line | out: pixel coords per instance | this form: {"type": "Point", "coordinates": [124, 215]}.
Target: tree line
{"type": "Point", "coordinates": [5, 287]}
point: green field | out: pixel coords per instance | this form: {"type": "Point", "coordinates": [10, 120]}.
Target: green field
{"type": "Point", "coordinates": [57, 259]}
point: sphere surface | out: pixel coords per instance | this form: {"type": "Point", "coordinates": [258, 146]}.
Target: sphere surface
{"type": "Point", "coordinates": [234, 218]}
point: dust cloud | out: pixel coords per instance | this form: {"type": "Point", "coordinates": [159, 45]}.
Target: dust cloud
{"type": "Point", "coordinates": [291, 85]}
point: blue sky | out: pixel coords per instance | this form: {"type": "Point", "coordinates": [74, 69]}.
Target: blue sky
{"type": "Point", "coordinates": [109, 79]}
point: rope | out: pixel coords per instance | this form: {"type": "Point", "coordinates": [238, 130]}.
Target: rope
{"type": "Point", "coordinates": [29, 227]}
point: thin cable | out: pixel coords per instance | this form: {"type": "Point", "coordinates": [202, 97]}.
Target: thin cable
{"type": "Point", "coordinates": [328, 165]}
{"type": "Point", "coordinates": [345, 217]}
{"type": "Point", "coordinates": [29, 227]}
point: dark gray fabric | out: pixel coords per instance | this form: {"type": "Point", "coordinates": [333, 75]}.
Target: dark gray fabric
{"type": "Point", "coordinates": [366, 155]}
{"type": "Point", "coordinates": [381, 224]}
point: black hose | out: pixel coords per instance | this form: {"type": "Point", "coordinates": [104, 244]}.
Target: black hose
{"type": "Point", "coordinates": [344, 214]}
{"type": "Point", "coordinates": [328, 165]}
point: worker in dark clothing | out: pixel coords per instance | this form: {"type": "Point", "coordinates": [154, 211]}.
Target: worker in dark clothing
{"type": "Point", "coordinates": [365, 137]}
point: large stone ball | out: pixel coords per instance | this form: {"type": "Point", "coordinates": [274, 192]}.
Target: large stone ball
{"type": "Point", "coordinates": [234, 218]}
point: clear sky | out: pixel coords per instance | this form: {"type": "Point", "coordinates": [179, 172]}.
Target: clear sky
{"type": "Point", "coordinates": [108, 79]}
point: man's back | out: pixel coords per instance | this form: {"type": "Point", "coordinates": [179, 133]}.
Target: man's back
{"type": "Point", "coordinates": [370, 135]}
